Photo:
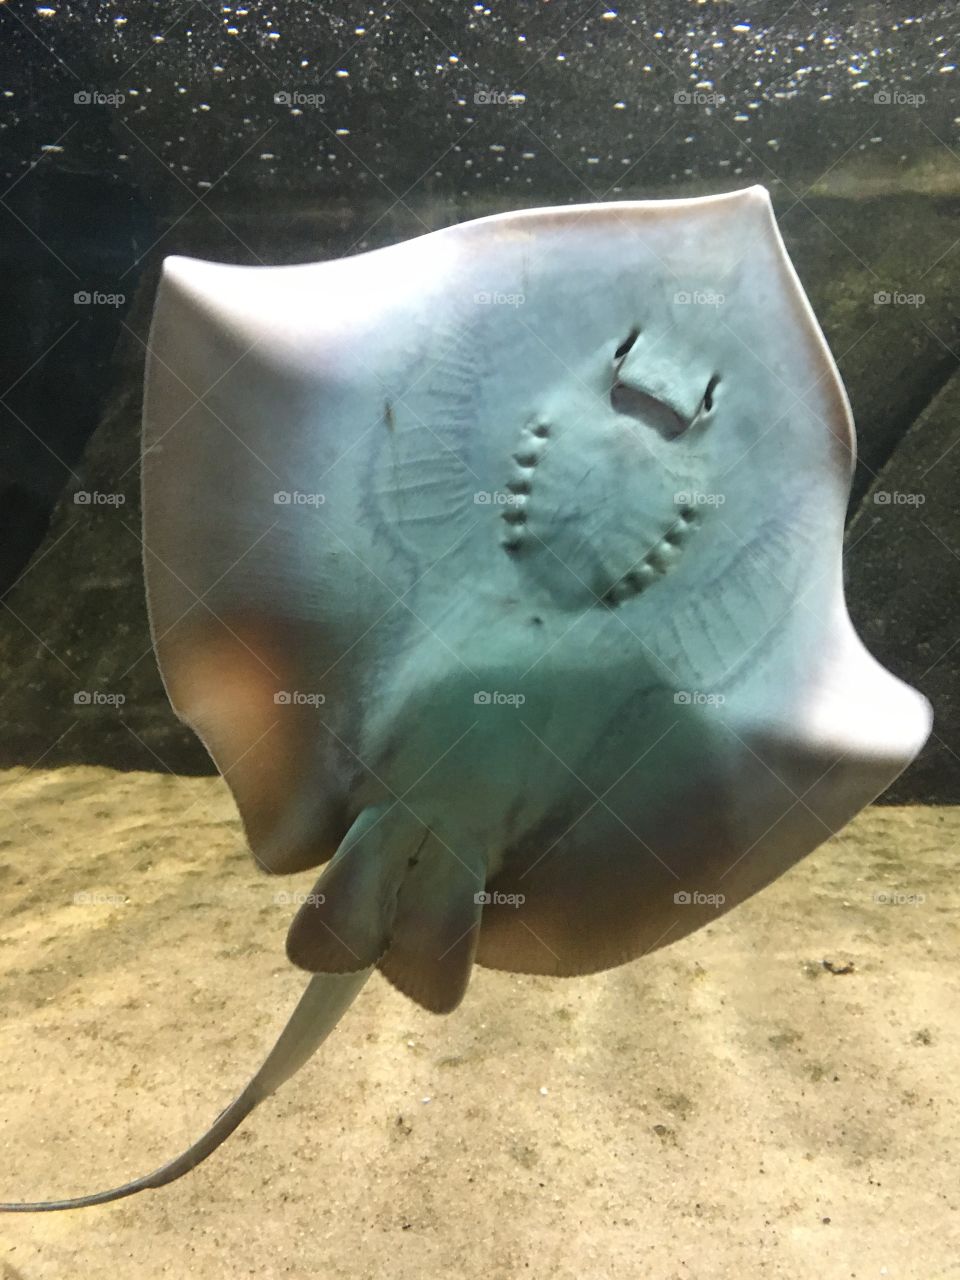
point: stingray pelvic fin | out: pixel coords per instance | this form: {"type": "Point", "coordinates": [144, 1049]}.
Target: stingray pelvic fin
{"type": "Point", "coordinates": [344, 924]}
{"type": "Point", "coordinates": [398, 896]}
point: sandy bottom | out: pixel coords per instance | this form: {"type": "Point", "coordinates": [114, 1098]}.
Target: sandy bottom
{"type": "Point", "coordinates": [773, 1096]}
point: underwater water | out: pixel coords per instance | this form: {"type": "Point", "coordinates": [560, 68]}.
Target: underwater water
{"type": "Point", "coordinates": [770, 1095]}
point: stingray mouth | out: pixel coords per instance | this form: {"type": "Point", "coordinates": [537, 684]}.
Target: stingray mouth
{"type": "Point", "coordinates": [670, 413]}
{"type": "Point", "coordinates": [669, 420]}
{"type": "Point", "coordinates": [661, 559]}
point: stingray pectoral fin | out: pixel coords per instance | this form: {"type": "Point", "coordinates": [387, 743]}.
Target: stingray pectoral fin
{"type": "Point", "coordinates": [320, 1008]}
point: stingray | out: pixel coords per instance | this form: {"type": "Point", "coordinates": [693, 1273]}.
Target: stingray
{"type": "Point", "coordinates": [500, 571]}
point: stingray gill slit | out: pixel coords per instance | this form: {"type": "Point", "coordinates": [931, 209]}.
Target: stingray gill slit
{"type": "Point", "coordinates": [520, 485]}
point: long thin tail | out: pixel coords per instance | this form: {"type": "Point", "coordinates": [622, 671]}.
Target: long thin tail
{"type": "Point", "coordinates": [322, 1005]}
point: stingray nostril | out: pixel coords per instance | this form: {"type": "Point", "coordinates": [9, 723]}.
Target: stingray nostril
{"type": "Point", "coordinates": [708, 394]}
{"type": "Point", "coordinates": [626, 344]}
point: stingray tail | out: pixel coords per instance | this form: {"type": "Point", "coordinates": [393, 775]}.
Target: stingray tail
{"type": "Point", "coordinates": [395, 895]}
{"type": "Point", "coordinates": [322, 1005]}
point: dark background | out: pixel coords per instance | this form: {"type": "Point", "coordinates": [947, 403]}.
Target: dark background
{"type": "Point", "coordinates": [128, 132]}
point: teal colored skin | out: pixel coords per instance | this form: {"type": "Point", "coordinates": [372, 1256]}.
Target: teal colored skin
{"type": "Point", "coordinates": [500, 571]}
